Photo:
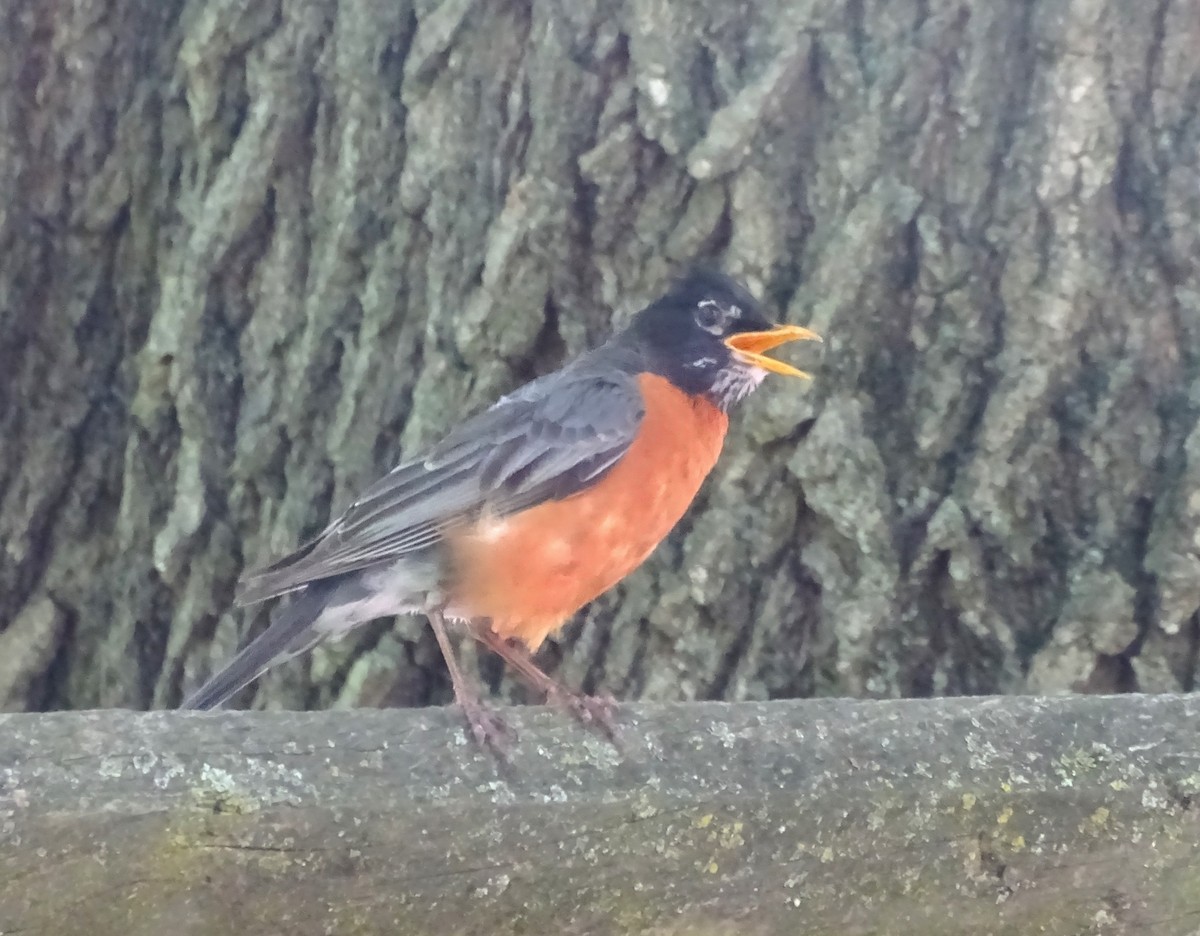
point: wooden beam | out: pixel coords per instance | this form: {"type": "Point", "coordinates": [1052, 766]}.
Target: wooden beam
{"type": "Point", "coordinates": [1014, 815]}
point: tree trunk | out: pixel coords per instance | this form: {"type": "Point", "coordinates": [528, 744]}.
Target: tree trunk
{"type": "Point", "coordinates": [255, 250]}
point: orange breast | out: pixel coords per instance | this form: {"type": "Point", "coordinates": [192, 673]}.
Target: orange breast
{"type": "Point", "coordinates": [529, 572]}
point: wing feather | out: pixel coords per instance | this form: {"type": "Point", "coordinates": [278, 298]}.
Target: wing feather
{"type": "Point", "coordinates": [545, 442]}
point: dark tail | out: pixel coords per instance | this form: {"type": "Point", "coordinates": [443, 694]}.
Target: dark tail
{"type": "Point", "coordinates": [289, 634]}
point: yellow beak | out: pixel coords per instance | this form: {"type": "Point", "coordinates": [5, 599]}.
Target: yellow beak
{"type": "Point", "coordinates": [748, 347]}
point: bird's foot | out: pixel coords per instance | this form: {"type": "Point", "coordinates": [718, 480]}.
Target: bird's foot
{"type": "Point", "coordinates": [596, 711]}
{"type": "Point", "coordinates": [489, 730]}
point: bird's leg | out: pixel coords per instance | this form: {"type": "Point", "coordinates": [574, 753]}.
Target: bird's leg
{"type": "Point", "coordinates": [591, 710]}
{"type": "Point", "coordinates": [488, 729]}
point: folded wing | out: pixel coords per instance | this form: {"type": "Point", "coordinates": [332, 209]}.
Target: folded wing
{"type": "Point", "coordinates": [545, 442]}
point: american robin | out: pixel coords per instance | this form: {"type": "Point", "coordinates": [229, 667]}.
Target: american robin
{"type": "Point", "coordinates": [534, 507]}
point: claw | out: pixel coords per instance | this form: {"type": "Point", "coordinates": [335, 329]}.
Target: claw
{"type": "Point", "coordinates": [489, 730]}
{"type": "Point", "coordinates": [594, 711]}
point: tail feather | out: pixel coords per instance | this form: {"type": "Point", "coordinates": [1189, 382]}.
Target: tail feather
{"type": "Point", "coordinates": [289, 634]}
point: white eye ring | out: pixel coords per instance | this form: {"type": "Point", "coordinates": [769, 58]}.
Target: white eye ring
{"type": "Point", "coordinates": [713, 317]}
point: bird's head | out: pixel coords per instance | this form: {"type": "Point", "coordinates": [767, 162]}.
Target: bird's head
{"type": "Point", "coordinates": [708, 336]}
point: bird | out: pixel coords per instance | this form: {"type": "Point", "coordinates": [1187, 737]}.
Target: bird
{"type": "Point", "coordinates": [527, 511]}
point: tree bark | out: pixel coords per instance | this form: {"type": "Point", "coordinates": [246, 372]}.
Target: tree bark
{"type": "Point", "coordinates": [1001, 816]}
{"type": "Point", "coordinates": [255, 250]}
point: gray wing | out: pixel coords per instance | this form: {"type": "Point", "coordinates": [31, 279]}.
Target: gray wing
{"type": "Point", "coordinates": [545, 442]}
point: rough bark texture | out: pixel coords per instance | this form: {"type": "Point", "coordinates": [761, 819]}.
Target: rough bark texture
{"type": "Point", "coordinates": [253, 250]}
{"type": "Point", "coordinates": [1015, 816]}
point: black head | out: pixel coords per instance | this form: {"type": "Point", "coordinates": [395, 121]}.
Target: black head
{"type": "Point", "coordinates": [706, 335]}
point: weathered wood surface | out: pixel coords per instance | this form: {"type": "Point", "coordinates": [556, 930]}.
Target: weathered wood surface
{"type": "Point", "coordinates": [1021, 815]}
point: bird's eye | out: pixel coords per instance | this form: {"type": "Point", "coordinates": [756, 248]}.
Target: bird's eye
{"type": "Point", "coordinates": [714, 317]}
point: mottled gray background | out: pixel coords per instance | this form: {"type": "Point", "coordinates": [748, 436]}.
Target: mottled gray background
{"type": "Point", "coordinates": [251, 251]}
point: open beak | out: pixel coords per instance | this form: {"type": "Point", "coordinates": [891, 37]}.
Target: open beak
{"type": "Point", "coordinates": [748, 347]}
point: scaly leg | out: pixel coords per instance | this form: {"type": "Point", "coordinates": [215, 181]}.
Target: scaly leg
{"type": "Point", "coordinates": [590, 710]}
{"type": "Point", "coordinates": [488, 729]}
